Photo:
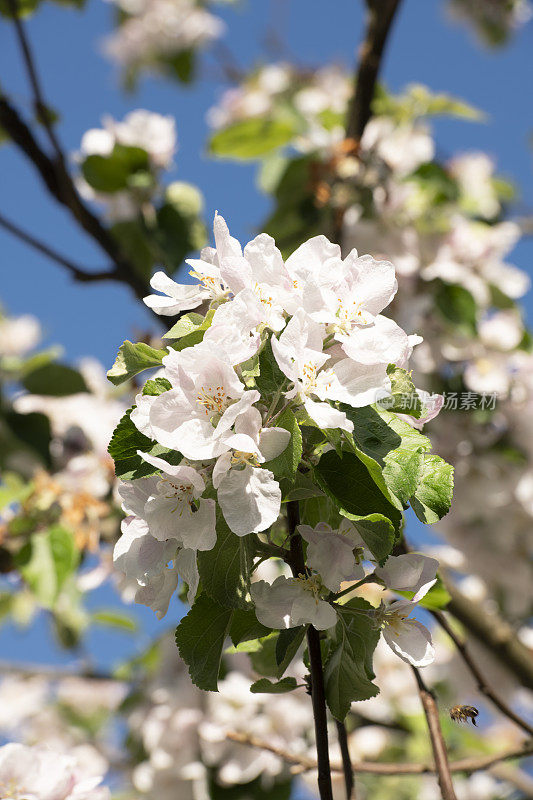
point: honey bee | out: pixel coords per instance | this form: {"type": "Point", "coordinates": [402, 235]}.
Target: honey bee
{"type": "Point", "coordinates": [464, 713]}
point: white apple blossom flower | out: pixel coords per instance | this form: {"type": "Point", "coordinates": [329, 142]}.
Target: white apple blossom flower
{"type": "Point", "coordinates": [18, 335]}
{"type": "Point", "coordinates": [335, 554]}
{"type": "Point", "coordinates": [299, 355]}
{"type": "Point", "coordinates": [289, 602]}
{"type": "Point", "coordinates": [409, 572]}
{"type": "Point", "coordinates": [171, 504]}
{"type": "Point", "coordinates": [144, 559]}
{"type": "Point", "coordinates": [402, 147]}
{"type": "Point", "coordinates": [196, 416]}
{"type": "Point", "coordinates": [249, 495]}
{"type": "Point", "coordinates": [154, 29]}
{"type": "Point", "coordinates": [406, 637]}
{"type": "Point", "coordinates": [33, 773]}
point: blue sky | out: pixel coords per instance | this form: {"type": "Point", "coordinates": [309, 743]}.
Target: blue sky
{"type": "Point", "coordinates": [93, 320]}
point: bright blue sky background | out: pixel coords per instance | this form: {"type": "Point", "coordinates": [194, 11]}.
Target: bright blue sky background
{"type": "Point", "coordinates": [82, 85]}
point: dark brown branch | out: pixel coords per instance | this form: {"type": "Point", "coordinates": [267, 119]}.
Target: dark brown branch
{"type": "Point", "coordinates": [77, 272]}
{"type": "Point", "coordinates": [347, 767]}
{"type": "Point", "coordinates": [318, 694]}
{"type": "Point", "coordinates": [64, 191]}
{"type": "Point", "coordinates": [438, 745]}
{"type": "Point", "coordinates": [494, 633]}
{"type": "Point", "coordinates": [380, 18]}
{"type": "Point", "coordinates": [463, 765]}
{"type": "Point", "coordinates": [482, 684]}
{"type": "Point", "coordinates": [41, 110]}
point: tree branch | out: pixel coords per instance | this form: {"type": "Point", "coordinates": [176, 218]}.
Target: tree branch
{"type": "Point", "coordinates": [347, 767]}
{"type": "Point", "coordinates": [494, 633]}
{"type": "Point", "coordinates": [482, 684]}
{"type": "Point", "coordinates": [464, 765]}
{"type": "Point", "coordinates": [380, 18]}
{"type": "Point", "coordinates": [77, 272]}
{"type": "Point", "coordinates": [440, 754]}
{"type": "Point", "coordinates": [318, 695]}
{"type": "Point", "coordinates": [65, 193]}
{"type": "Point", "coordinates": [41, 109]}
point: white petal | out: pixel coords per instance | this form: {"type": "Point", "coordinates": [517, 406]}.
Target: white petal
{"type": "Point", "coordinates": [135, 494]}
{"type": "Point", "coordinates": [411, 642]}
{"type": "Point", "coordinates": [187, 568]}
{"type": "Point", "coordinates": [222, 465]}
{"type": "Point", "coordinates": [356, 384]}
{"type": "Point", "coordinates": [273, 441]}
{"type": "Point", "coordinates": [184, 475]}
{"type": "Point", "coordinates": [326, 416]}
{"type": "Point", "coordinates": [383, 342]}
{"type": "Point", "coordinates": [409, 572]}
{"type": "Point", "coordinates": [137, 554]}
{"type": "Point", "coordinates": [250, 500]}
{"type": "Point", "coordinates": [157, 592]}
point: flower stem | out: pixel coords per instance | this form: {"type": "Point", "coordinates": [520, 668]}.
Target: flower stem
{"type": "Point", "coordinates": [296, 562]}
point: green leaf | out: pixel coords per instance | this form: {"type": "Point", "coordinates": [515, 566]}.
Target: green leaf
{"type": "Point", "coordinates": [114, 618]}
{"type": "Point", "coordinates": [56, 380]}
{"type": "Point", "coordinates": [319, 509]}
{"type": "Point", "coordinates": [402, 473]}
{"type": "Point", "coordinates": [136, 246]}
{"type": "Point", "coordinates": [46, 561]}
{"type": "Point", "coordinates": [186, 324]}
{"type": "Point", "coordinates": [457, 306]}
{"type": "Point", "coordinates": [194, 335]}
{"type": "Point", "coordinates": [433, 497]}
{"type": "Point", "coordinates": [24, 432]}
{"type": "Point", "coordinates": [276, 651]}
{"type": "Point", "coordinates": [225, 570]}
{"type": "Point", "coordinates": [279, 687]}
{"type": "Point", "coordinates": [404, 395]}
{"type": "Point", "coordinates": [178, 234]}
{"type": "Point", "coordinates": [132, 359]}
{"type": "Point", "coordinates": [348, 672]}
{"type": "Point", "coordinates": [123, 447]}
{"type": "Point", "coordinates": [13, 489]}
{"type": "Point", "coordinates": [200, 639]}
{"type": "Point", "coordinates": [378, 533]}
{"type": "Point", "coordinates": [245, 626]}
{"type": "Point", "coordinates": [436, 183]}
{"type": "Point", "coordinates": [287, 645]}
{"type": "Point", "coordinates": [286, 464]}
{"type": "Point", "coordinates": [112, 173]}
{"type": "Point", "coordinates": [270, 379]}
{"type": "Point", "coordinates": [156, 387]}
{"type": "Point", "coordinates": [251, 139]}
{"type": "Point", "coordinates": [351, 486]}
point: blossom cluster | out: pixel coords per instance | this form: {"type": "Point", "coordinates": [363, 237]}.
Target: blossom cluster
{"type": "Point", "coordinates": [153, 31]}
{"type": "Point", "coordinates": [140, 130]}
{"type": "Point", "coordinates": [318, 318]}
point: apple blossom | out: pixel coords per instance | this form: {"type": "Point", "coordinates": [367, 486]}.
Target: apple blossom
{"type": "Point", "coordinates": [249, 496]}
{"type": "Point", "coordinates": [171, 504]}
{"type": "Point", "coordinates": [406, 637]}
{"type": "Point", "coordinates": [409, 572]}
{"type": "Point", "coordinates": [289, 602]}
{"type": "Point", "coordinates": [335, 554]}
{"type": "Point", "coordinates": [32, 773]}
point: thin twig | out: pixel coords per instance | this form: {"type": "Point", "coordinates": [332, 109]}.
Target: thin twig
{"type": "Point", "coordinates": [296, 562]}
{"type": "Point", "coordinates": [463, 765]}
{"type": "Point", "coordinates": [482, 683]}
{"type": "Point", "coordinates": [438, 745]}
{"type": "Point", "coordinates": [381, 15]}
{"type": "Point", "coordinates": [347, 767]}
{"type": "Point", "coordinates": [77, 272]}
{"type": "Point", "coordinates": [494, 633]}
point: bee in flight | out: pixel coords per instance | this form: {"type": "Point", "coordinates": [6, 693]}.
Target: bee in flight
{"type": "Point", "coordinates": [464, 713]}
